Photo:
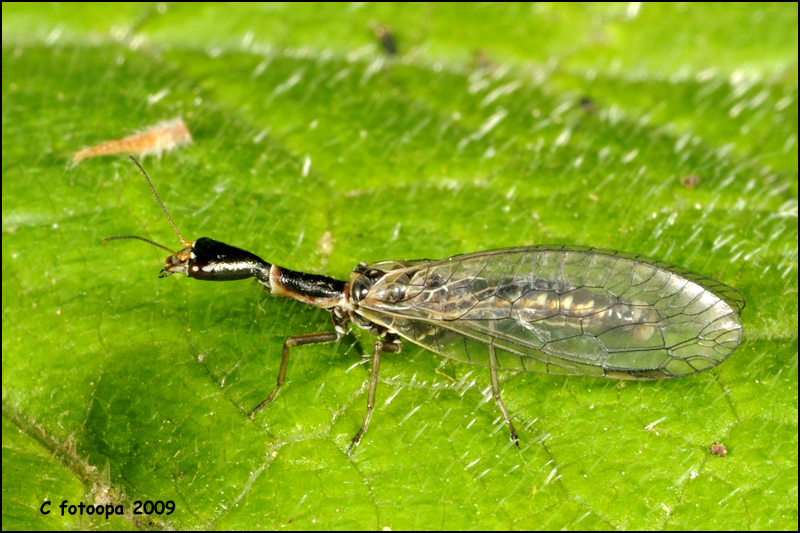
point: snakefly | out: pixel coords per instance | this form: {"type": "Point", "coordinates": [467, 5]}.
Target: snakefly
{"type": "Point", "coordinates": [551, 309]}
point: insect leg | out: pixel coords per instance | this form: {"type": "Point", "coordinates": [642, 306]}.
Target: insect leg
{"type": "Point", "coordinates": [322, 337]}
{"type": "Point", "coordinates": [380, 346]}
{"type": "Point", "coordinates": [496, 395]}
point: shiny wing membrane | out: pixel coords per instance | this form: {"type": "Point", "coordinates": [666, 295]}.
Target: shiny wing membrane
{"type": "Point", "coordinates": [560, 310]}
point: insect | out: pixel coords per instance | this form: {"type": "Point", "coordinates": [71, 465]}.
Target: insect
{"type": "Point", "coordinates": [551, 309]}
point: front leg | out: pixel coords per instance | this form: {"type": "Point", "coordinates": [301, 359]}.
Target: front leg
{"type": "Point", "coordinates": [322, 337]}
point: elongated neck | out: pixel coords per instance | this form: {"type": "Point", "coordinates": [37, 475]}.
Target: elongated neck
{"type": "Point", "coordinates": [210, 260]}
{"type": "Point", "coordinates": [321, 291]}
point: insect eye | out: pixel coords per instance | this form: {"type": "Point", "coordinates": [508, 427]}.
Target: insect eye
{"type": "Point", "coordinates": [361, 286]}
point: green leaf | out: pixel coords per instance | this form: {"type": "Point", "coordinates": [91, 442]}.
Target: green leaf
{"type": "Point", "coordinates": [493, 126]}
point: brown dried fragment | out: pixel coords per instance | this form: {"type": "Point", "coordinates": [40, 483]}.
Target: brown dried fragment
{"type": "Point", "coordinates": [482, 61]}
{"type": "Point", "coordinates": [153, 140]}
{"type": "Point", "coordinates": [690, 181]}
{"type": "Point", "coordinates": [386, 37]}
{"type": "Point", "coordinates": [587, 104]}
{"type": "Point", "coordinates": [719, 450]}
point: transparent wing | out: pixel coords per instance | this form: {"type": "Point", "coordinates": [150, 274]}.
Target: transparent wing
{"type": "Point", "coordinates": [561, 310]}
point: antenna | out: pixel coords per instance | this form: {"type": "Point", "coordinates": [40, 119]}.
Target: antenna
{"type": "Point", "coordinates": [185, 243]}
